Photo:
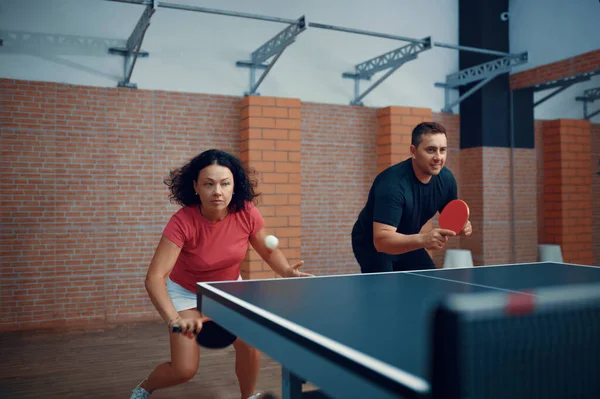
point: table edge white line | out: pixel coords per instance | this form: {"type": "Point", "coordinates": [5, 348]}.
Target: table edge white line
{"type": "Point", "coordinates": [407, 379]}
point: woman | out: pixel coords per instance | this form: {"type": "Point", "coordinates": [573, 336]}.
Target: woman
{"type": "Point", "coordinates": [205, 240]}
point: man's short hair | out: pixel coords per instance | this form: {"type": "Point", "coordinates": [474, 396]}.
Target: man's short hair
{"type": "Point", "coordinates": [425, 128]}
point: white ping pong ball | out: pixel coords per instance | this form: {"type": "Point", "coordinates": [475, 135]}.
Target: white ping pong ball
{"type": "Point", "coordinates": [271, 242]}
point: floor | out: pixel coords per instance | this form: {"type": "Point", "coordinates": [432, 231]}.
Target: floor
{"type": "Point", "coordinates": [108, 363]}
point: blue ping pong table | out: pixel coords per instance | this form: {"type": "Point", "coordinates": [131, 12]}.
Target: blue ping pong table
{"type": "Point", "coordinates": [406, 334]}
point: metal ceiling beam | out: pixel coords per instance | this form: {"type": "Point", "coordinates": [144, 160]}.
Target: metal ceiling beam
{"type": "Point", "coordinates": [364, 71]}
{"type": "Point", "coordinates": [132, 50]}
{"type": "Point", "coordinates": [579, 77]}
{"type": "Point", "coordinates": [391, 60]}
{"type": "Point", "coordinates": [483, 73]}
{"type": "Point", "coordinates": [272, 48]}
{"type": "Point", "coordinates": [206, 10]}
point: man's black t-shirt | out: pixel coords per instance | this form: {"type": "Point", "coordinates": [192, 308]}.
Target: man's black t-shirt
{"type": "Point", "coordinates": [398, 198]}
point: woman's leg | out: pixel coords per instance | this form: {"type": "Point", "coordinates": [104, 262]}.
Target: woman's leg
{"type": "Point", "coordinates": [185, 357]}
{"type": "Point", "coordinates": [247, 367]}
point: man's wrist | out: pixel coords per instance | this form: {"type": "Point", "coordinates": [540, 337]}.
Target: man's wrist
{"type": "Point", "coordinates": [421, 240]}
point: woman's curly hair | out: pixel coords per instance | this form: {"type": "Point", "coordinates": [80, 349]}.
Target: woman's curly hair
{"type": "Point", "coordinates": [181, 180]}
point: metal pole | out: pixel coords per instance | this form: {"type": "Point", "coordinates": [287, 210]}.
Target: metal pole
{"type": "Point", "coordinates": [210, 11]}
{"type": "Point", "coordinates": [585, 110]}
{"type": "Point", "coordinates": [365, 32]}
{"type": "Point", "coordinates": [590, 116]}
{"type": "Point", "coordinates": [469, 92]}
{"type": "Point", "coordinates": [135, 56]}
{"type": "Point", "coordinates": [138, 2]}
{"type": "Point", "coordinates": [474, 49]}
{"type": "Point", "coordinates": [555, 92]}
{"type": "Point", "coordinates": [266, 71]}
{"type": "Point", "coordinates": [374, 85]}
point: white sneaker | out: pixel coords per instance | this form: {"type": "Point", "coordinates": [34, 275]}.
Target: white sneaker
{"type": "Point", "coordinates": [255, 396]}
{"type": "Point", "coordinates": [139, 392]}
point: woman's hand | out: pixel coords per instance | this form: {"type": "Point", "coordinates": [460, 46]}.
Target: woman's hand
{"type": "Point", "coordinates": [189, 327]}
{"type": "Point", "coordinates": [294, 272]}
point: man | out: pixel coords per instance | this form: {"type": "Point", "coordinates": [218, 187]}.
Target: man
{"type": "Point", "coordinates": [386, 236]}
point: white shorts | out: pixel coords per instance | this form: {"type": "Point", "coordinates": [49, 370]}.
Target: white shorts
{"type": "Point", "coordinates": [182, 298]}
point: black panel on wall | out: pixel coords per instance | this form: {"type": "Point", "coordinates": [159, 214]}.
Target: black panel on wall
{"type": "Point", "coordinates": [524, 118]}
{"type": "Point", "coordinates": [485, 115]}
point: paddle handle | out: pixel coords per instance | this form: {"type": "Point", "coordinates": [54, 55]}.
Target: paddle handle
{"type": "Point", "coordinates": [178, 329]}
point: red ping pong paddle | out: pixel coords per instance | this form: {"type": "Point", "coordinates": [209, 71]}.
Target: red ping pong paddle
{"type": "Point", "coordinates": [454, 216]}
{"type": "Point", "coordinates": [211, 335]}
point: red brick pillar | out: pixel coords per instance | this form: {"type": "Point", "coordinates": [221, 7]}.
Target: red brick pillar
{"type": "Point", "coordinates": [568, 188]}
{"type": "Point", "coordinates": [394, 128]}
{"type": "Point", "coordinates": [270, 134]}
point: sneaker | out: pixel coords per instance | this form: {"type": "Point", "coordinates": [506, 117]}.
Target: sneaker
{"type": "Point", "coordinates": [255, 396]}
{"type": "Point", "coordinates": [139, 392]}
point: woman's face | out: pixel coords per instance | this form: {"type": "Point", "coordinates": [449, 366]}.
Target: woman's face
{"type": "Point", "coordinates": [214, 187]}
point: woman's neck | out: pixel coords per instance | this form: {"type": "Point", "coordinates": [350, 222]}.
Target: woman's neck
{"type": "Point", "coordinates": [213, 215]}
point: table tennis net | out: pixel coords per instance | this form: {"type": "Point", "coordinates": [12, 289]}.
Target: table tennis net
{"type": "Point", "coordinates": [484, 349]}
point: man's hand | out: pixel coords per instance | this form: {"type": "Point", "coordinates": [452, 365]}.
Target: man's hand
{"type": "Point", "coordinates": [436, 239]}
{"type": "Point", "coordinates": [467, 230]}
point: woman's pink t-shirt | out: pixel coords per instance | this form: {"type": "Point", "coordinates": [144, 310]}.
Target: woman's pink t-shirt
{"type": "Point", "coordinates": [210, 251]}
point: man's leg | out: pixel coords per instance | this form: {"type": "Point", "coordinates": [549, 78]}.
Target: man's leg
{"type": "Point", "coordinates": [371, 261]}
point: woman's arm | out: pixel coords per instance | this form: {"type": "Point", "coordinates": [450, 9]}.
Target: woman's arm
{"type": "Point", "coordinates": [275, 257]}
{"type": "Point", "coordinates": [161, 265]}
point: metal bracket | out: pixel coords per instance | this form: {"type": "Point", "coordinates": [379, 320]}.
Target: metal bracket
{"type": "Point", "coordinates": [391, 60]}
{"type": "Point", "coordinates": [577, 78]}
{"type": "Point", "coordinates": [272, 48]}
{"type": "Point", "coordinates": [132, 50]}
{"type": "Point", "coordinates": [555, 92]}
{"type": "Point", "coordinates": [483, 72]}
{"type": "Point", "coordinates": [589, 96]}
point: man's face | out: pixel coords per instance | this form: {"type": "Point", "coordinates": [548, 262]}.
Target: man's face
{"type": "Point", "coordinates": [430, 155]}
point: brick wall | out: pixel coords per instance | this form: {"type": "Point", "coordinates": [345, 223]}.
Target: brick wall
{"type": "Point", "coordinates": [546, 224]}
{"type": "Point", "coordinates": [83, 203]}
{"type": "Point", "coordinates": [556, 70]}
{"type": "Point", "coordinates": [471, 161]}
{"type": "Point", "coordinates": [525, 199]}
{"type": "Point", "coordinates": [490, 192]}
{"type": "Point", "coordinates": [595, 128]}
{"type": "Point", "coordinates": [567, 188]}
{"type": "Point", "coordinates": [539, 167]}
{"type": "Point", "coordinates": [338, 167]}
{"type": "Point", "coordinates": [548, 206]}
{"type": "Point", "coordinates": [394, 128]}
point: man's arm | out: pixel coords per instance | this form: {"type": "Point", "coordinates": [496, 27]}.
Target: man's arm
{"type": "Point", "coordinates": [389, 204]}
{"type": "Point", "coordinates": [387, 213]}
{"type": "Point", "coordinates": [387, 240]}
